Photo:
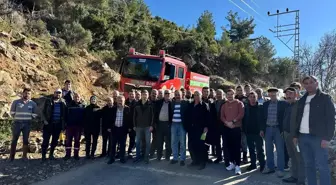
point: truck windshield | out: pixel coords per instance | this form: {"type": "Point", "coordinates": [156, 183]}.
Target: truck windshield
{"type": "Point", "coordinates": [142, 69]}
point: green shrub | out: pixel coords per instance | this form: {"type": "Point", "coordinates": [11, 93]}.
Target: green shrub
{"type": "Point", "coordinates": [37, 28]}
{"type": "Point", "coordinates": [75, 35]}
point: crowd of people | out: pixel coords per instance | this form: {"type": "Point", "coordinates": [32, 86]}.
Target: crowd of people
{"type": "Point", "coordinates": [227, 125]}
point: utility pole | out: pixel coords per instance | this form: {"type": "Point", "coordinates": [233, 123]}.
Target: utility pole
{"type": "Point", "coordinates": [289, 31]}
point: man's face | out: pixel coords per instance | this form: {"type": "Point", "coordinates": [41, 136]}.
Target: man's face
{"type": "Point", "coordinates": [197, 96]}
{"type": "Point", "coordinates": [154, 95]}
{"type": "Point", "coordinates": [178, 95]}
{"type": "Point", "coordinates": [258, 91]}
{"type": "Point", "coordinates": [137, 95]}
{"type": "Point", "coordinates": [77, 98]}
{"type": "Point", "coordinates": [212, 94]}
{"type": "Point", "coordinates": [310, 85]}
{"type": "Point", "coordinates": [26, 95]}
{"type": "Point", "coordinates": [183, 93]}
{"type": "Point", "coordinates": [273, 95]}
{"type": "Point", "coordinates": [219, 95]}
{"type": "Point", "coordinates": [144, 96]}
{"type": "Point", "coordinates": [247, 90]}
{"type": "Point", "coordinates": [188, 94]}
{"type": "Point", "coordinates": [206, 93]}
{"type": "Point", "coordinates": [67, 85]}
{"type": "Point", "coordinates": [120, 101]}
{"type": "Point", "coordinates": [58, 95]}
{"type": "Point", "coordinates": [239, 91]}
{"type": "Point", "coordinates": [252, 98]}
{"type": "Point", "coordinates": [230, 95]}
{"type": "Point", "coordinates": [160, 94]}
{"type": "Point", "coordinates": [167, 95]}
{"type": "Point", "coordinates": [93, 100]}
{"type": "Point", "coordinates": [110, 102]}
{"type": "Point", "coordinates": [131, 95]}
{"type": "Point", "coordinates": [115, 94]}
{"type": "Point", "coordinates": [290, 96]}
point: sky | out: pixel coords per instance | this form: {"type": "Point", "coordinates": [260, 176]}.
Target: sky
{"type": "Point", "coordinates": [317, 17]}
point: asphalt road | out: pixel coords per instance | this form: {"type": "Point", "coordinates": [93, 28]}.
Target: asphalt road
{"type": "Point", "coordinates": [156, 173]}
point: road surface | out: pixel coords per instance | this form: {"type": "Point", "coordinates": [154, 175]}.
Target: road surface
{"type": "Point", "coordinates": [156, 173]}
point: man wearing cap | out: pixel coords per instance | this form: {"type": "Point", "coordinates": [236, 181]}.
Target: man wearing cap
{"type": "Point", "coordinates": [271, 130]}
{"type": "Point", "coordinates": [297, 168]}
{"type": "Point", "coordinates": [53, 117]}
{"type": "Point", "coordinates": [313, 128]}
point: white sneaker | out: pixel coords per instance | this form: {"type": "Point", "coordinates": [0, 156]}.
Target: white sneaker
{"type": "Point", "coordinates": [231, 167]}
{"type": "Point", "coordinates": [237, 170]}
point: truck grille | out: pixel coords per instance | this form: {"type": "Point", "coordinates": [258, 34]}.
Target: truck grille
{"type": "Point", "coordinates": [130, 87]}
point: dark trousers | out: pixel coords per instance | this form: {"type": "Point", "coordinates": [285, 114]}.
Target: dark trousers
{"type": "Point", "coordinates": [73, 132]}
{"type": "Point", "coordinates": [256, 144]}
{"type": "Point", "coordinates": [106, 139]}
{"type": "Point", "coordinates": [225, 147]}
{"type": "Point", "coordinates": [131, 145]}
{"type": "Point", "coordinates": [286, 156]}
{"type": "Point", "coordinates": [163, 134]}
{"type": "Point", "coordinates": [47, 133]}
{"type": "Point", "coordinates": [119, 136]}
{"type": "Point", "coordinates": [233, 139]}
{"type": "Point", "coordinates": [90, 148]}
{"type": "Point", "coordinates": [196, 146]}
{"type": "Point", "coordinates": [219, 136]}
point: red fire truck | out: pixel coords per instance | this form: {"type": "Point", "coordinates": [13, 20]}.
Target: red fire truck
{"type": "Point", "coordinates": [139, 71]}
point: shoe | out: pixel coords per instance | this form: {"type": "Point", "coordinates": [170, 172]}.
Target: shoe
{"type": "Point", "coordinates": [167, 158]}
{"type": "Point", "coordinates": [111, 161]}
{"type": "Point", "coordinates": [237, 170]}
{"type": "Point", "coordinates": [123, 161]}
{"type": "Point", "coordinates": [286, 169]}
{"type": "Point", "coordinates": [117, 156]}
{"type": "Point", "coordinates": [76, 157]}
{"type": "Point", "coordinates": [12, 152]}
{"type": "Point", "coordinates": [210, 161]}
{"type": "Point", "coordinates": [231, 167]}
{"type": "Point", "coordinates": [102, 156]}
{"type": "Point", "coordinates": [173, 161]}
{"type": "Point", "coordinates": [182, 163]}
{"type": "Point", "coordinates": [158, 159]}
{"type": "Point", "coordinates": [250, 168]}
{"type": "Point", "coordinates": [92, 156]}
{"type": "Point", "coordinates": [193, 164]}
{"type": "Point", "coordinates": [245, 160]}
{"type": "Point", "coordinates": [130, 156]}
{"type": "Point", "coordinates": [87, 157]}
{"type": "Point", "coordinates": [262, 168]}
{"type": "Point", "coordinates": [280, 174]}
{"type": "Point", "coordinates": [268, 171]}
{"type": "Point", "coordinates": [146, 161]}
{"type": "Point", "coordinates": [202, 166]}
{"type": "Point", "coordinates": [51, 157]}
{"type": "Point", "coordinates": [66, 157]}
{"type": "Point", "coordinates": [290, 180]}
{"type": "Point", "coordinates": [218, 160]}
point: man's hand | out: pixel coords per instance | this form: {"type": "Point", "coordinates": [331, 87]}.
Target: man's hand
{"type": "Point", "coordinates": [109, 130]}
{"type": "Point", "coordinates": [129, 130]}
{"type": "Point", "coordinates": [262, 134]}
{"type": "Point", "coordinates": [45, 122]}
{"type": "Point", "coordinates": [205, 130]}
{"type": "Point", "coordinates": [295, 141]}
{"type": "Point", "coordinates": [324, 144]}
{"type": "Point", "coordinates": [229, 124]}
{"type": "Point", "coordinates": [151, 128]}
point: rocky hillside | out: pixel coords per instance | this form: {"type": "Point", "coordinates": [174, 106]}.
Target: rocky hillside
{"type": "Point", "coordinates": [38, 64]}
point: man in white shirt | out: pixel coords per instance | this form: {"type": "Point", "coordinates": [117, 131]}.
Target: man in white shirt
{"type": "Point", "coordinates": [313, 129]}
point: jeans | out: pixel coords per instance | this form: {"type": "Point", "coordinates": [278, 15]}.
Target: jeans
{"type": "Point", "coordinates": [243, 142]}
{"type": "Point", "coordinates": [273, 136]}
{"type": "Point", "coordinates": [256, 144]}
{"type": "Point", "coordinates": [18, 127]}
{"type": "Point", "coordinates": [314, 157]}
{"type": "Point", "coordinates": [142, 133]}
{"type": "Point", "coordinates": [131, 145]}
{"type": "Point", "coordinates": [178, 135]}
{"type": "Point", "coordinates": [297, 168]}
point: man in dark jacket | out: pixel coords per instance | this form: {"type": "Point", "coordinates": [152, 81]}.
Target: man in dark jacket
{"type": "Point", "coordinates": [251, 127]}
{"type": "Point", "coordinates": [143, 125]}
{"type": "Point", "coordinates": [130, 102]}
{"type": "Point", "coordinates": [271, 129]}
{"type": "Point", "coordinates": [54, 122]}
{"type": "Point", "coordinates": [154, 98]}
{"type": "Point", "coordinates": [218, 130]}
{"type": "Point", "coordinates": [313, 129]}
{"type": "Point", "coordinates": [197, 121]}
{"type": "Point", "coordinates": [106, 113]}
{"type": "Point", "coordinates": [91, 127]}
{"type": "Point", "coordinates": [74, 126]}
{"type": "Point", "coordinates": [162, 116]}
{"type": "Point", "coordinates": [68, 96]}
{"type": "Point", "coordinates": [120, 125]}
